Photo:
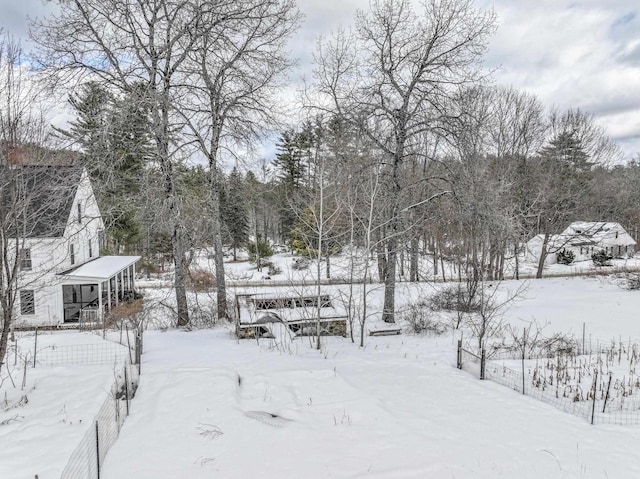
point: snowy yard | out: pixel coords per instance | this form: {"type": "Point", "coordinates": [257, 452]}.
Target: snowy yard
{"type": "Point", "coordinates": [42, 421]}
{"type": "Point", "coordinates": [211, 406]}
{"type": "Point", "coordinates": [397, 408]}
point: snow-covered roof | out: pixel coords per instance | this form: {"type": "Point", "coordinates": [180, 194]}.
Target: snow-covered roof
{"type": "Point", "coordinates": [594, 232]}
{"type": "Point", "coordinates": [101, 268]}
{"type": "Point", "coordinates": [587, 233]}
{"type": "Point", "coordinates": [286, 306]}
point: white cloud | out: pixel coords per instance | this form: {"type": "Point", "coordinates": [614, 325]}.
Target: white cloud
{"type": "Point", "coordinates": [574, 54]}
{"type": "Point", "coordinates": [580, 53]}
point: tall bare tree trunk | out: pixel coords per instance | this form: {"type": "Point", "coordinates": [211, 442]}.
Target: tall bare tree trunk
{"type": "Point", "coordinates": [543, 255]}
{"type": "Point", "coordinates": [413, 265]}
{"type": "Point", "coordinates": [221, 286]}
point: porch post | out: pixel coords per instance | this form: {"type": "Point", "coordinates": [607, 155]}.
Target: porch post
{"type": "Point", "coordinates": [100, 312]}
{"type": "Point", "coordinates": [117, 290]}
{"type": "Point", "coordinates": [109, 293]}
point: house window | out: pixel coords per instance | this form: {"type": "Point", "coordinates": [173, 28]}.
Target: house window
{"type": "Point", "coordinates": [616, 235]}
{"type": "Point", "coordinates": [27, 301]}
{"type": "Point", "coordinates": [79, 213]}
{"type": "Point", "coordinates": [78, 297]}
{"type": "Point", "coordinates": [72, 254]}
{"type": "Point", "coordinates": [25, 259]}
{"type": "Point", "coordinates": [90, 249]}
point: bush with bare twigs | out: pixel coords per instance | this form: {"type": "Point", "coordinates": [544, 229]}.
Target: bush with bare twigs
{"type": "Point", "coordinates": [420, 319]}
{"type": "Point", "coordinates": [201, 280]}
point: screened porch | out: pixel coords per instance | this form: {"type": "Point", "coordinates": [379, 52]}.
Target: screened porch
{"type": "Point", "coordinates": [93, 289]}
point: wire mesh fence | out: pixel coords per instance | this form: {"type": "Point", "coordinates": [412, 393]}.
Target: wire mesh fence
{"type": "Point", "coordinates": [86, 354]}
{"type": "Point", "coordinates": [86, 460]}
{"type": "Point", "coordinates": [30, 352]}
{"type": "Point", "coordinates": [581, 383]}
{"type": "Point", "coordinates": [123, 353]}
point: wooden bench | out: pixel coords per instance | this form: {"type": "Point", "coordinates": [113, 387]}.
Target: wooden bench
{"type": "Point", "coordinates": [385, 332]}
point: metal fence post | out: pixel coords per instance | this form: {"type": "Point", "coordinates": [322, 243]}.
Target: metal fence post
{"type": "Point", "coordinates": [126, 388]}
{"type": "Point", "coordinates": [117, 415]}
{"type": "Point", "coordinates": [97, 450]}
{"type": "Point", "coordinates": [595, 389]}
{"type": "Point", "coordinates": [138, 343]}
{"type": "Point", "coordinates": [606, 396]}
{"type": "Point", "coordinates": [524, 351]}
{"type": "Point", "coordinates": [459, 359]}
{"type": "Point", "coordinates": [483, 363]}
{"type": "Point", "coordinates": [35, 349]}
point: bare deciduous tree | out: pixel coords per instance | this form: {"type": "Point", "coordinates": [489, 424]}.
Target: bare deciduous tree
{"type": "Point", "coordinates": [394, 77]}
{"type": "Point", "coordinates": [235, 70]}
{"type": "Point", "coordinates": [126, 44]}
{"type": "Point", "coordinates": [30, 195]}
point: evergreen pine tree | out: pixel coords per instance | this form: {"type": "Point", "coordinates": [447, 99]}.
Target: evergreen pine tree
{"type": "Point", "coordinates": [91, 105]}
{"type": "Point", "coordinates": [234, 210]}
{"type": "Point", "coordinates": [289, 159]}
{"type": "Point", "coordinates": [113, 135]}
{"type": "Point", "coordinates": [291, 170]}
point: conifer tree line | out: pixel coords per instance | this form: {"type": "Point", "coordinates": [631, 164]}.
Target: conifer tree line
{"type": "Point", "coordinates": [405, 151]}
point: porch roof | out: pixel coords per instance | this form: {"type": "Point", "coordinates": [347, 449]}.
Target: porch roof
{"type": "Point", "coordinates": [102, 268]}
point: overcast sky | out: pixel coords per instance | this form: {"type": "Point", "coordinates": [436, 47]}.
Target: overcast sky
{"type": "Point", "coordinates": [580, 53]}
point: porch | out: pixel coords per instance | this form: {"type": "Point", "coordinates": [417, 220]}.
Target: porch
{"type": "Point", "coordinates": [93, 289]}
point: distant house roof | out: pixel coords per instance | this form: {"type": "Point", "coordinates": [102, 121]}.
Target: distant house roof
{"type": "Point", "coordinates": [37, 200]}
{"type": "Point", "coordinates": [31, 155]}
{"type": "Point", "coordinates": [594, 232]}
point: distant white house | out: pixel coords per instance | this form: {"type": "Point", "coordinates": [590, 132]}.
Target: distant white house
{"type": "Point", "coordinates": [584, 238]}
{"type": "Point", "coordinates": [63, 278]}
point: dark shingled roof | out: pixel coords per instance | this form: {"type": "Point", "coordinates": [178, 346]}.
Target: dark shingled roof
{"type": "Point", "coordinates": [37, 199]}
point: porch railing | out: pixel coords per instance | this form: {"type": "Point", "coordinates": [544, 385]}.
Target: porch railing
{"type": "Point", "coordinates": [90, 315]}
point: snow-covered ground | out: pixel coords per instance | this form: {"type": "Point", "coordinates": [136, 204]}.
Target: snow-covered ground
{"type": "Point", "coordinates": [43, 420]}
{"type": "Point", "coordinates": [211, 406]}
{"type": "Point", "coordinates": [397, 408]}
{"type": "Point", "coordinates": [341, 267]}
{"type": "Point", "coordinates": [344, 266]}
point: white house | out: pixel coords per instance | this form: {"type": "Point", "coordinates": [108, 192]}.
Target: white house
{"type": "Point", "coordinates": [63, 278]}
{"type": "Point", "coordinates": [584, 238]}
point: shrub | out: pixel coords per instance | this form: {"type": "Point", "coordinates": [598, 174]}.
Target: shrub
{"type": "Point", "coordinates": [302, 248]}
{"type": "Point", "coordinates": [149, 266]}
{"type": "Point", "coordinates": [630, 280]}
{"type": "Point", "coordinates": [263, 249]}
{"type": "Point", "coordinates": [201, 280]}
{"type": "Point", "coordinates": [454, 298]}
{"type": "Point", "coordinates": [601, 258]}
{"type": "Point", "coordinates": [274, 269]}
{"type": "Point", "coordinates": [565, 256]}
{"type": "Point", "coordinates": [300, 263]}
{"type": "Point", "coordinates": [203, 316]}
{"type": "Point", "coordinates": [125, 311]}
{"type": "Point", "coordinates": [421, 320]}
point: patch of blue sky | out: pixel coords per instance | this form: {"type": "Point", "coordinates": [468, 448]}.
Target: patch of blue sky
{"type": "Point", "coordinates": [625, 26]}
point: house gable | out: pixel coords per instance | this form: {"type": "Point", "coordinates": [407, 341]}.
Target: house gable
{"type": "Point", "coordinates": [44, 196]}
{"type": "Point", "coordinates": [83, 225]}
{"type": "Point", "coordinates": [52, 196]}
